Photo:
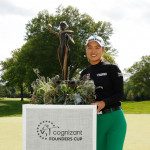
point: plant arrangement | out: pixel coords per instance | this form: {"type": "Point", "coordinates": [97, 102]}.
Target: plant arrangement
{"type": "Point", "coordinates": [54, 91]}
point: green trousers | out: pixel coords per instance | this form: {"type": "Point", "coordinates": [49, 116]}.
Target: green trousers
{"type": "Point", "coordinates": [111, 130]}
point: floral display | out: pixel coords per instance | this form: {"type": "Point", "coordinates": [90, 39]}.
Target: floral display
{"type": "Point", "coordinates": [54, 91]}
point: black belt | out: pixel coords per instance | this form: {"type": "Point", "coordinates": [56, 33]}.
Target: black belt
{"type": "Point", "coordinates": [109, 110]}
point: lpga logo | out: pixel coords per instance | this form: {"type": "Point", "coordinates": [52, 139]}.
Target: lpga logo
{"type": "Point", "coordinates": [44, 129]}
{"type": "Point", "coordinates": [47, 130]}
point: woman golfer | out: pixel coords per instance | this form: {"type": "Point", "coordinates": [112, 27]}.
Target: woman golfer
{"type": "Point", "coordinates": [108, 79]}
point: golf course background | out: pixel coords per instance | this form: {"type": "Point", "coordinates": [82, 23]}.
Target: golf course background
{"type": "Point", "coordinates": [137, 115]}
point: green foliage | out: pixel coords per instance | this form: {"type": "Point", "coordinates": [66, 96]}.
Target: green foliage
{"type": "Point", "coordinates": [139, 80]}
{"type": "Point", "coordinates": [12, 92]}
{"type": "Point", "coordinates": [130, 95]}
{"type": "Point", "coordinates": [2, 93]}
{"type": "Point", "coordinates": [54, 91]}
{"type": "Point", "coordinates": [14, 71]}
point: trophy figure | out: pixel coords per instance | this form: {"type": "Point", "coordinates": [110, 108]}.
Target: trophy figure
{"type": "Point", "coordinates": [63, 49]}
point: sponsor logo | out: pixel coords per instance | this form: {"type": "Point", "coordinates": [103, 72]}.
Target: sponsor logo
{"type": "Point", "coordinates": [101, 74]}
{"type": "Point", "coordinates": [120, 74]}
{"type": "Point", "coordinates": [94, 39]}
{"type": "Point", "coordinates": [47, 130]}
{"type": "Point", "coordinates": [88, 76]}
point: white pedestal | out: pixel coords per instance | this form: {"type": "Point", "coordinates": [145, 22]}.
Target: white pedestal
{"type": "Point", "coordinates": [59, 127]}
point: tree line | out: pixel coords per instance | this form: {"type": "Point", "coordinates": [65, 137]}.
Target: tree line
{"type": "Point", "coordinates": [137, 86]}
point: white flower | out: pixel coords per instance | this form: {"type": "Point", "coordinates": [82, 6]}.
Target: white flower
{"type": "Point", "coordinates": [56, 77]}
{"type": "Point", "coordinates": [77, 98]}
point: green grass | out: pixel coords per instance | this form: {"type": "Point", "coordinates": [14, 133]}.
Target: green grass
{"type": "Point", "coordinates": [132, 107]}
{"type": "Point", "coordinates": [12, 107]}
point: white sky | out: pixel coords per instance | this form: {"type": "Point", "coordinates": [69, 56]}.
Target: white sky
{"type": "Point", "coordinates": [130, 20]}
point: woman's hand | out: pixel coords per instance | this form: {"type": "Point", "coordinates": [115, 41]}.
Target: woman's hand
{"type": "Point", "coordinates": [100, 104]}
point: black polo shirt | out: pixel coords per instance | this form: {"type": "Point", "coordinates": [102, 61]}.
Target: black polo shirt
{"type": "Point", "coordinates": [108, 80]}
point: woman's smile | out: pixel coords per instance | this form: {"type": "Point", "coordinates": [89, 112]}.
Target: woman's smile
{"type": "Point", "coordinates": [94, 52]}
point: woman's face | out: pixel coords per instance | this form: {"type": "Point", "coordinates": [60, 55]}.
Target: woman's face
{"type": "Point", "coordinates": [94, 52]}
